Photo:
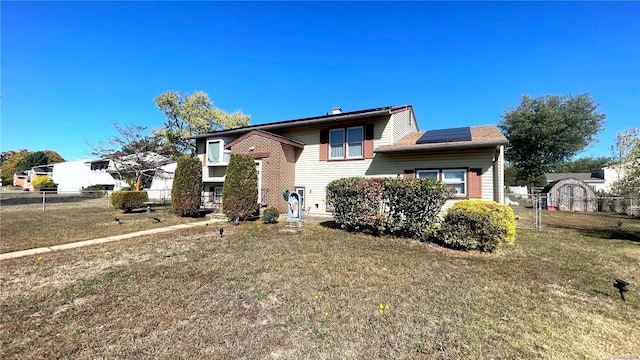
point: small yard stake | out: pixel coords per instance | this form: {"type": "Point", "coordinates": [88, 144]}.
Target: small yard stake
{"type": "Point", "coordinates": [44, 195]}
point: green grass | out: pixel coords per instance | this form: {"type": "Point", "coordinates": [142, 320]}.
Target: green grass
{"type": "Point", "coordinates": [259, 293]}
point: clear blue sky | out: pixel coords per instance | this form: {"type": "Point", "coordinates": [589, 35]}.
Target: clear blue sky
{"type": "Point", "coordinates": [71, 68]}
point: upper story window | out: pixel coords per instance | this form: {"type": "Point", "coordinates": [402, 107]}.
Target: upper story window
{"type": "Point", "coordinates": [346, 143]}
{"type": "Point", "coordinates": [216, 154]}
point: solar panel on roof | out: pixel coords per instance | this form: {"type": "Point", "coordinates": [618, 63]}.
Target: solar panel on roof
{"type": "Point", "coordinates": [445, 135]}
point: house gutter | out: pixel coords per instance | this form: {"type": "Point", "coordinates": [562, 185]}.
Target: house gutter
{"type": "Point", "coordinates": [443, 146]}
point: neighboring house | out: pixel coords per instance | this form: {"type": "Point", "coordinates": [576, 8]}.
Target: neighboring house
{"type": "Point", "coordinates": [111, 173]}
{"type": "Point", "coordinates": [71, 176]}
{"type": "Point", "coordinates": [21, 179]}
{"type": "Point", "coordinates": [99, 175]}
{"type": "Point", "coordinates": [304, 155]}
{"type": "Point", "coordinates": [42, 170]}
{"type": "Point", "coordinates": [162, 182]}
{"type": "Point", "coordinates": [599, 180]}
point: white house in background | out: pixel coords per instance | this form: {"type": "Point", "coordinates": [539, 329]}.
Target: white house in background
{"type": "Point", "coordinates": [71, 176]}
{"type": "Point", "coordinates": [162, 182]}
{"type": "Point", "coordinates": [598, 180]}
{"type": "Point", "coordinates": [99, 174]}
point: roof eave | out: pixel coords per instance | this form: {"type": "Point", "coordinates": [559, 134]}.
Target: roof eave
{"type": "Point", "coordinates": [296, 122]}
{"type": "Point", "coordinates": [442, 146]}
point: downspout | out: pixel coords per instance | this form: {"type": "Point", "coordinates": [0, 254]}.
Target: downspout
{"type": "Point", "coordinates": [498, 194]}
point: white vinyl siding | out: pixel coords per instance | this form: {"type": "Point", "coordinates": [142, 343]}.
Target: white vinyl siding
{"type": "Point", "coordinates": [401, 124]}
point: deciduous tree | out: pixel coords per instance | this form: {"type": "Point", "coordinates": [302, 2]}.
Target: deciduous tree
{"type": "Point", "coordinates": [546, 130]}
{"type": "Point", "coordinates": [584, 164]}
{"type": "Point", "coordinates": [191, 115]}
{"type": "Point", "coordinates": [627, 160]}
{"type": "Point", "coordinates": [10, 160]}
{"type": "Point", "coordinates": [130, 154]}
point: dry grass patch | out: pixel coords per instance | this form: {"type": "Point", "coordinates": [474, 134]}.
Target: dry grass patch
{"type": "Point", "coordinates": [31, 228]}
{"type": "Point", "coordinates": [258, 293]}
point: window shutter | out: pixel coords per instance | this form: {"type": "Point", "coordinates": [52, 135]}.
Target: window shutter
{"type": "Point", "coordinates": [368, 141]}
{"type": "Point", "coordinates": [409, 174]}
{"type": "Point", "coordinates": [324, 149]}
{"type": "Point", "coordinates": [475, 183]}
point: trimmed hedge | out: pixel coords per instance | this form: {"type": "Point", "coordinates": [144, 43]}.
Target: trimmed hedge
{"type": "Point", "coordinates": [240, 189]}
{"type": "Point", "coordinates": [187, 186]}
{"type": "Point", "coordinates": [478, 224]}
{"type": "Point", "coordinates": [127, 200]}
{"type": "Point", "coordinates": [405, 207]}
{"type": "Point", "coordinates": [270, 215]}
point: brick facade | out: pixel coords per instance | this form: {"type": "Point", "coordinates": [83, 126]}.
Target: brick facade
{"type": "Point", "coordinates": [278, 166]}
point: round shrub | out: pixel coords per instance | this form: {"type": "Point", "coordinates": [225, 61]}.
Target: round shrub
{"type": "Point", "coordinates": [128, 200]}
{"type": "Point", "coordinates": [42, 181]}
{"type": "Point", "coordinates": [270, 215]}
{"type": "Point", "coordinates": [478, 224]}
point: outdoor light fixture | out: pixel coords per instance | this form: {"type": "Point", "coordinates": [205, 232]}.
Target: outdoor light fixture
{"type": "Point", "coordinates": [621, 285]}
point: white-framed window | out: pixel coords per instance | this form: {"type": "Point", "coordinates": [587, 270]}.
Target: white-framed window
{"type": "Point", "coordinates": [454, 178]}
{"type": "Point", "coordinates": [428, 174]}
{"type": "Point", "coordinates": [216, 154]}
{"type": "Point", "coordinates": [457, 179]}
{"type": "Point", "coordinates": [346, 143]}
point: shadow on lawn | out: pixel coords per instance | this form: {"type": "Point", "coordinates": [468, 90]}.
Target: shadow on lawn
{"type": "Point", "coordinates": [613, 234]}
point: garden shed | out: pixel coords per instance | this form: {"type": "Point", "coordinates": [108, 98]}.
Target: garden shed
{"type": "Point", "coordinates": [571, 195]}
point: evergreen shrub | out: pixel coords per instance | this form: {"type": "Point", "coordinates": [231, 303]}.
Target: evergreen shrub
{"type": "Point", "coordinates": [270, 215]}
{"type": "Point", "coordinates": [240, 190]}
{"type": "Point", "coordinates": [186, 191]}
{"type": "Point", "coordinates": [128, 200]}
{"type": "Point", "coordinates": [478, 224]}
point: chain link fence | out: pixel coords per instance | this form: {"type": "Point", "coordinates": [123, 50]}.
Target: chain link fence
{"type": "Point", "coordinates": [36, 200]}
{"type": "Point", "coordinates": [607, 217]}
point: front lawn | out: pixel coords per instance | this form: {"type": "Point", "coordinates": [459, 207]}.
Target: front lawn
{"type": "Point", "coordinates": [29, 227]}
{"type": "Point", "coordinates": [323, 293]}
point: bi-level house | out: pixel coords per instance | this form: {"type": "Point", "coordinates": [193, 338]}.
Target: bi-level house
{"type": "Point", "coordinates": [304, 155]}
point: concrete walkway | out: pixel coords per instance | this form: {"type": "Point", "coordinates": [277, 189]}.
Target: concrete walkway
{"type": "Point", "coordinates": [77, 244]}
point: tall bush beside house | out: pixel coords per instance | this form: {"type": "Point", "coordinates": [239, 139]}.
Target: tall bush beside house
{"type": "Point", "coordinates": [407, 207]}
{"type": "Point", "coordinates": [42, 181]}
{"type": "Point", "coordinates": [240, 190]}
{"type": "Point", "coordinates": [187, 186]}
{"type": "Point", "coordinates": [478, 224]}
